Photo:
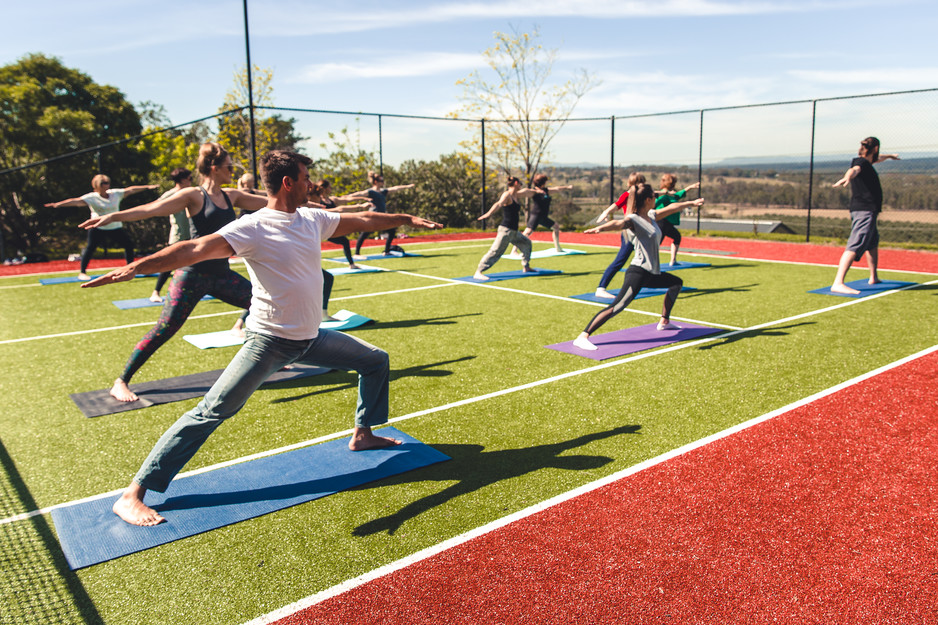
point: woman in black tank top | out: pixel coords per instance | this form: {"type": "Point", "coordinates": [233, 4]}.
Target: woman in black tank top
{"type": "Point", "coordinates": [538, 215]}
{"type": "Point", "coordinates": [320, 195]}
{"type": "Point", "coordinates": [507, 231]}
{"type": "Point", "coordinates": [377, 194]}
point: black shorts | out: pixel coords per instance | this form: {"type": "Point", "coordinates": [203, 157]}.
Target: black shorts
{"type": "Point", "coordinates": [537, 218]}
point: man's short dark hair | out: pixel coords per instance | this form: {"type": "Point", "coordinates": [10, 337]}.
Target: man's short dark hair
{"type": "Point", "coordinates": [279, 163]}
{"type": "Point", "coordinates": [179, 174]}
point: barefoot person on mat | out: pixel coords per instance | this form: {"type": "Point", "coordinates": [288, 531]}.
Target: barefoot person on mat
{"type": "Point", "coordinates": [641, 221]}
{"type": "Point", "coordinates": [281, 248]}
{"type": "Point", "coordinates": [866, 201]}
{"type": "Point", "coordinates": [507, 231]}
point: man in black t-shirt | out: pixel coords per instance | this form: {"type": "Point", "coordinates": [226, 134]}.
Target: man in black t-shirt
{"type": "Point", "coordinates": [866, 201]}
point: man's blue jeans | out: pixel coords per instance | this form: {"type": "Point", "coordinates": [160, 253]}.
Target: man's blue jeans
{"type": "Point", "coordinates": [262, 355]}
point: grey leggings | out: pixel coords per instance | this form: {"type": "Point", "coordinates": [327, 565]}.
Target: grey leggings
{"type": "Point", "coordinates": [505, 237]}
{"type": "Point", "coordinates": [635, 279]}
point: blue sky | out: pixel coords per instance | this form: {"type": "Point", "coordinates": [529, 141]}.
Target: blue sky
{"type": "Point", "coordinates": [405, 57]}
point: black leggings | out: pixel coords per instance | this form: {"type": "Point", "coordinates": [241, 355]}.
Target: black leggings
{"type": "Point", "coordinates": [97, 237]}
{"type": "Point", "coordinates": [670, 230]}
{"type": "Point", "coordinates": [387, 244]}
{"type": "Point", "coordinates": [346, 247]}
{"type": "Point", "coordinates": [635, 279]}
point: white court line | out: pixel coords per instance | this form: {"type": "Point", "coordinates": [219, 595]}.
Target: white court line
{"type": "Point", "coordinates": [487, 396]}
{"type": "Point", "coordinates": [455, 541]}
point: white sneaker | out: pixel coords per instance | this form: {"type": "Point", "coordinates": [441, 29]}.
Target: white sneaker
{"type": "Point", "coordinates": [480, 276]}
{"type": "Point", "coordinates": [667, 325]}
{"type": "Point", "coordinates": [584, 343]}
{"type": "Point", "coordinates": [603, 293]}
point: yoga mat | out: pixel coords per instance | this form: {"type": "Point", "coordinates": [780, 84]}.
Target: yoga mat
{"type": "Point", "coordinates": [645, 292]}
{"type": "Point", "coordinates": [382, 256]}
{"type": "Point", "coordinates": [346, 270]}
{"type": "Point", "coordinates": [144, 302]}
{"type": "Point", "coordinates": [631, 340]}
{"type": "Point", "coordinates": [90, 533]}
{"type": "Point", "coordinates": [548, 253]}
{"type": "Point", "coordinates": [511, 275]}
{"type": "Point", "coordinates": [865, 288]}
{"type": "Point", "coordinates": [700, 251]}
{"type": "Point", "coordinates": [67, 279]}
{"type": "Point", "coordinates": [100, 403]}
{"type": "Point", "coordinates": [344, 320]}
{"type": "Point", "coordinates": [681, 265]}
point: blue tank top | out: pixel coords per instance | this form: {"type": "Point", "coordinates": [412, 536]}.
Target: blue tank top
{"type": "Point", "coordinates": [510, 215]}
{"type": "Point", "coordinates": [208, 221]}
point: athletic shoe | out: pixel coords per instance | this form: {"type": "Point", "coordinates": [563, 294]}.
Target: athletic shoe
{"type": "Point", "coordinates": [603, 293]}
{"type": "Point", "coordinates": [667, 325]}
{"type": "Point", "coordinates": [584, 343]}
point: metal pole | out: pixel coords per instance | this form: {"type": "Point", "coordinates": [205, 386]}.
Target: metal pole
{"type": "Point", "coordinates": [380, 148]}
{"type": "Point", "coordinates": [612, 160]}
{"type": "Point", "coordinates": [807, 234]}
{"type": "Point", "coordinates": [700, 167]}
{"type": "Point", "coordinates": [247, 54]}
{"type": "Point", "coordinates": [484, 203]}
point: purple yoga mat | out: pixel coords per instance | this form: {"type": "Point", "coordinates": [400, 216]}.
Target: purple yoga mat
{"type": "Point", "coordinates": [631, 340]}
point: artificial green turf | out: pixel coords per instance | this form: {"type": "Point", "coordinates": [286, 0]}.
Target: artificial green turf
{"type": "Point", "coordinates": [447, 344]}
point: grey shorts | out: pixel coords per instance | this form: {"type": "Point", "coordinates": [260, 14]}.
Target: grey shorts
{"type": "Point", "coordinates": [864, 236]}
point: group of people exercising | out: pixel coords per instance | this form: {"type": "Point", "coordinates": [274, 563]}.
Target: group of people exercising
{"type": "Point", "coordinates": [279, 239]}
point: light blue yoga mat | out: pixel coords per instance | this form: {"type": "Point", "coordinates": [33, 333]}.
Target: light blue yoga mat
{"type": "Point", "coordinates": [383, 256]}
{"type": "Point", "coordinates": [90, 533]}
{"type": "Point", "coordinates": [67, 279]}
{"type": "Point", "coordinates": [344, 320]}
{"type": "Point", "coordinates": [864, 288]}
{"type": "Point", "coordinates": [645, 292]}
{"type": "Point", "coordinates": [511, 275]}
{"type": "Point", "coordinates": [346, 270]}
{"type": "Point", "coordinates": [548, 253]}
{"type": "Point", "coordinates": [144, 302]}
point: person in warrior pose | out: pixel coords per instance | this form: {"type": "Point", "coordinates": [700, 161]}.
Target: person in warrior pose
{"type": "Point", "coordinates": [866, 202]}
{"type": "Point", "coordinates": [321, 194]}
{"type": "Point", "coordinates": [641, 221]}
{"type": "Point", "coordinates": [178, 224]}
{"type": "Point", "coordinates": [209, 207]}
{"type": "Point", "coordinates": [507, 231]}
{"type": "Point", "coordinates": [377, 195]}
{"type": "Point", "coordinates": [668, 225]}
{"type": "Point", "coordinates": [281, 248]}
{"type": "Point", "coordinates": [103, 201]}
{"type": "Point", "coordinates": [538, 215]}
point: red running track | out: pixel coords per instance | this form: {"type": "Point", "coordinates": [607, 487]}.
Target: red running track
{"type": "Point", "coordinates": [827, 513]}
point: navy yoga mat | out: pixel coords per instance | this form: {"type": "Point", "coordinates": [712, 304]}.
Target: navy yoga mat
{"type": "Point", "coordinates": [511, 275]}
{"type": "Point", "coordinates": [631, 340]}
{"type": "Point", "coordinates": [90, 533]}
{"type": "Point", "coordinates": [865, 288]}
{"type": "Point", "coordinates": [645, 292]}
{"type": "Point", "coordinates": [100, 403]}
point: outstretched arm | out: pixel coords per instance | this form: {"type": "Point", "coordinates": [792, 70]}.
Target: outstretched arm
{"type": "Point", "coordinates": [565, 187]}
{"type": "Point", "coordinates": [178, 255]}
{"type": "Point", "coordinates": [886, 157]}
{"type": "Point", "coordinates": [400, 187]}
{"type": "Point", "coordinates": [371, 222]}
{"type": "Point", "coordinates": [850, 174]}
{"type": "Point", "coordinates": [502, 201]}
{"type": "Point", "coordinates": [615, 224]}
{"type": "Point", "coordinates": [138, 188]}
{"type": "Point", "coordinates": [246, 201]}
{"type": "Point", "coordinates": [670, 209]}
{"type": "Point", "coordinates": [603, 216]}
{"type": "Point", "coordinates": [165, 207]}
{"type": "Point", "coordinates": [74, 201]}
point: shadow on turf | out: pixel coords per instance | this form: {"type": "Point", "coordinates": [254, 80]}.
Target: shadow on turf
{"type": "Point", "coordinates": [748, 334]}
{"type": "Point", "coordinates": [472, 468]}
{"type": "Point", "coordinates": [413, 323]}
{"type": "Point", "coordinates": [37, 596]}
{"type": "Point", "coordinates": [351, 379]}
{"type": "Point", "coordinates": [745, 288]}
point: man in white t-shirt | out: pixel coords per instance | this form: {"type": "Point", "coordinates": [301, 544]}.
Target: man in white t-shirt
{"type": "Point", "coordinates": [280, 244]}
{"type": "Point", "coordinates": [103, 201]}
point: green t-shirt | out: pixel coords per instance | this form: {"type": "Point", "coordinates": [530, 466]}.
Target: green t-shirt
{"type": "Point", "coordinates": [670, 198]}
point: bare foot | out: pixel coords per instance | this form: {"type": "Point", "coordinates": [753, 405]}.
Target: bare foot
{"type": "Point", "coordinates": [843, 288]}
{"type": "Point", "coordinates": [238, 332]}
{"type": "Point", "coordinates": [480, 276]}
{"type": "Point", "coordinates": [528, 270]}
{"type": "Point", "coordinates": [83, 276]}
{"type": "Point", "coordinates": [875, 280]}
{"type": "Point", "coordinates": [130, 507]}
{"type": "Point", "coordinates": [364, 438]}
{"type": "Point", "coordinates": [359, 257]}
{"type": "Point", "coordinates": [121, 392]}
{"type": "Point", "coordinates": [155, 298]}
{"type": "Point", "coordinates": [354, 266]}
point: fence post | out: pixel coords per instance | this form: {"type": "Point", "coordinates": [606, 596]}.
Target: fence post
{"type": "Point", "coordinates": [807, 236]}
{"type": "Point", "coordinates": [700, 167]}
{"type": "Point", "coordinates": [483, 172]}
{"type": "Point", "coordinates": [612, 160]}
{"type": "Point", "coordinates": [380, 148]}
{"type": "Point", "coordinates": [247, 54]}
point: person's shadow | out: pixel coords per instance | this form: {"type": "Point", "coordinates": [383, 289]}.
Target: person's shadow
{"type": "Point", "coordinates": [748, 334]}
{"type": "Point", "coordinates": [472, 468]}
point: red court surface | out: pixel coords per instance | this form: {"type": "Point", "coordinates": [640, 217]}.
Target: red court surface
{"type": "Point", "coordinates": [826, 513]}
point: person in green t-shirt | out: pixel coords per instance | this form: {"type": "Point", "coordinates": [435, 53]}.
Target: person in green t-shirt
{"type": "Point", "coordinates": [668, 225]}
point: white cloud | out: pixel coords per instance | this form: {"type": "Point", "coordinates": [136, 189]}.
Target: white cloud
{"type": "Point", "coordinates": [901, 77]}
{"type": "Point", "coordinates": [411, 65]}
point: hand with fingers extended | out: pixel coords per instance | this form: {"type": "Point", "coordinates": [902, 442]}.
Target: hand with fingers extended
{"type": "Point", "coordinates": [121, 274]}
{"type": "Point", "coordinates": [97, 222]}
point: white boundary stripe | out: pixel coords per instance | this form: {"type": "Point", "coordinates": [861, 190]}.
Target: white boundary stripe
{"type": "Point", "coordinates": [478, 398]}
{"type": "Point", "coordinates": [549, 503]}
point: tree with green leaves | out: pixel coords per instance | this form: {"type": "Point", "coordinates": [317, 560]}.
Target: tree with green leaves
{"type": "Point", "coordinates": [272, 132]}
{"type": "Point", "coordinates": [48, 110]}
{"type": "Point", "coordinates": [525, 108]}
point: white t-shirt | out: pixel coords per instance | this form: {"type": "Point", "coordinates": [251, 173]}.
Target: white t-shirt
{"type": "Point", "coordinates": [282, 254]}
{"type": "Point", "coordinates": [101, 205]}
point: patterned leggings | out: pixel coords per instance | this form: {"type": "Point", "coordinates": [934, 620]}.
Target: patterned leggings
{"type": "Point", "coordinates": [635, 279]}
{"type": "Point", "coordinates": [187, 287]}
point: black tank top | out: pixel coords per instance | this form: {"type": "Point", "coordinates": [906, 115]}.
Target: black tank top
{"type": "Point", "coordinates": [327, 202]}
{"type": "Point", "coordinates": [510, 215]}
{"type": "Point", "coordinates": [379, 199]}
{"type": "Point", "coordinates": [208, 221]}
{"type": "Point", "coordinates": [541, 203]}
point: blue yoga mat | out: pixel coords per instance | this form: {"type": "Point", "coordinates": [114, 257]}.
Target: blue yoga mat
{"type": "Point", "coordinates": [645, 292]}
{"type": "Point", "coordinates": [865, 288]}
{"type": "Point", "coordinates": [144, 302]}
{"type": "Point", "coordinates": [347, 270]}
{"type": "Point", "coordinates": [67, 279]}
{"type": "Point", "coordinates": [548, 253]}
{"type": "Point", "coordinates": [383, 256]}
{"type": "Point", "coordinates": [682, 265]}
{"type": "Point", "coordinates": [90, 533]}
{"type": "Point", "coordinates": [511, 275]}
